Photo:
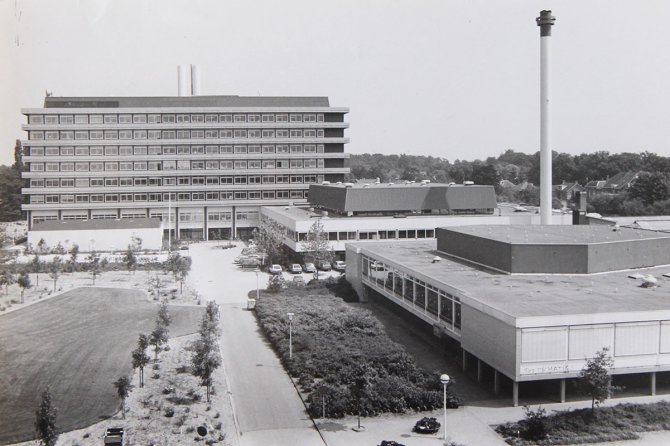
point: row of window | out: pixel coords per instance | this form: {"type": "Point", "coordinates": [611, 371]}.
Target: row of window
{"type": "Point", "coordinates": [53, 135]}
{"type": "Point", "coordinates": [183, 217]}
{"type": "Point", "coordinates": [157, 118]}
{"type": "Point", "coordinates": [167, 196]}
{"type": "Point", "coordinates": [175, 150]}
{"type": "Point", "coordinates": [113, 166]}
{"type": "Point", "coordinates": [370, 235]}
{"type": "Point", "coordinates": [174, 181]}
{"type": "Point", "coordinates": [423, 297]}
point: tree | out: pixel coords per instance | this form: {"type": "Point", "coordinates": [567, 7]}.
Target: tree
{"type": "Point", "coordinates": [36, 265]}
{"type": "Point", "coordinates": [136, 243]}
{"type": "Point", "coordinates": [650, 187]}
{"type": "Point", "coordinates": [140, 357]}
{"type": "Point", "coordinates": [157, 338]}
{"type": "Point", "coordinates": [74, 253]}
{"type": "Point", "coordinates": [179, 266]}
{"type": "Point", "coordinates": [24, 283]}
{"type": "Point", "coordinates": [94, 265]}
{"type": "Point", "coordinates": [594, 379]}
{"type": "Point", "coordinates": [6, 279]}
{"type": "Point", "coordinates": [316, 245]}
{"type": "Point", "coordinates": [360, 388]}
{"type": "Point", "coordinates": [157, 284]}
{"type": "Point", "coordinates": [206, 358]}
{"type": "Point", "coordinates": [130, 259]}
{"type": "Point", "coordinates": [10, 194]}
{"type": "Point", "coordinates": [269, 238]}
{"type": "Point", "coordinates": [55, 268]}
{"type": "Point", "coordinates": [42, 247]}
{"type": "Point", "coordinates": [163, 317]}
{"type": "Point", "coordinates": [123, 387]}
{"type": "Point", "coordinates": [45, 420]}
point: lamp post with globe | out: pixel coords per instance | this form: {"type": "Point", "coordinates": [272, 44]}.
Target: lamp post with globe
{"type": "Point", "coordinates": [444, 379]}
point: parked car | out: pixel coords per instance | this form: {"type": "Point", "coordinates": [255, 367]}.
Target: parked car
{"type": "Point", "coordinates": [299, 281]}
{"type": "Point", "coordinates": [339, 265]}
{"type": "Point", "coordinates": [324, 266]}
{"type": "Point", "coordinates": [294, 268]}
{"type": "Point", "coordinates": [426, 425]}
{"type": "Point", "coordinates": [309, 267]}
{"type": "Point", "coordinates": [390, 443]}
{"type": "Point", "coordinates": [114, 436]}
{"type": "Point", "coordinates": [275, 269]}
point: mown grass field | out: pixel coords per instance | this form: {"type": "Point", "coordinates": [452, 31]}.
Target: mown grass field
{"type": "Point", "coordinates": [77, 344]}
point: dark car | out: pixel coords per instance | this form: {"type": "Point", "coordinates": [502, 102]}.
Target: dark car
{"type": "Point", "coordinates": [427, 425]}
{"type": "Point", "coordinates": [390, 443]}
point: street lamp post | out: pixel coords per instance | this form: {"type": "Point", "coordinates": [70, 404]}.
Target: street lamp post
{"type": "Point", "coordinates": [257, 287]}
{"type": "Point", "coordinates": [444, 379]}
{"type": "Point", "coordinates": [290, 335]}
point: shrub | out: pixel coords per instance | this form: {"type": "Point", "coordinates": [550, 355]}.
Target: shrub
{"type": "Point", "coordinates": [168, 412]}
{"type": "Point", "coordinates": [536, 424]}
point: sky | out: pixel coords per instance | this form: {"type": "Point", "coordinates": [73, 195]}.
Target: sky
{"type": "Point", "coordinates": [457, 79]}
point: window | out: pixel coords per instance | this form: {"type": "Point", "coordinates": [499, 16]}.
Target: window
{"type": "Point", "coordinates": [36, 151]}
{"type": "Point", "coordinates": [211, 133]}
{"type": "Point", "coordinates": [197, 196]}
{"type": "Point", "coordinates": [38, 199]}
{"type": "Point", "coordinates": [212, 196]}
{"type": "Point", "coordinates": [253, 195]}
{"type": "Point", "coordinates": [183, 196]}
{"type": "Point", "coordinates": [140, 181]}
{"type": "Point", "coordinates": [282, 179]}
{"type": "Point", "coordinates": [111, 166]}
{"type": "Point", "coordinates": [296, 194]}
{"type": "Point", "coordinates": [282, 118]}
{"type": "Point", "coordinates": [97, 167]}
{"type": "Point", "coordinates": [197, 134]}
{"type": "Point", "coordinates": [226, 164]}
{"type": "Point", "coordinates": [268, 149]}
{"type": "Point", "coordinates": [268, 195]}
{"type": "Point", "coordinates": [254, 164]}
{"type": "Point", "coordinates": [125, 134]}
{"type": "Point", "coordinates": [282, 194]}
{"type": "Point", "coordinates": [282, 148]}
{"type": "Point", "coordinates": [319, 133]}
{"type": "Point", "coordinates": [153, 181]}
{"type": "Point", "coordinates": [226, 149]}
{"type": "Point", "coordinates": [140, 165]}
{"type": "Point", "coordinates": [140, 197]}
{"type": "Point", "coordinates": [254, 179]}
{"type": "Point", "coordinates": [211, 118]}
{"type": "Point", "coordinates": [183, 134]}
{"type": "Point", "coordinates": [125, 165]}
{"type": "Point", "coordinates": [154, 119]}
{"type": "Point", "coordinates": [310, 118]}
{"type": "Point", "coordinates": [310, 163]}
{"type": "Point", "coordinates": [240, 149]}
{"type": "Point", "coordinates": [310, 179]}
{"type": "Point", "coordinates": [254, 133]}
{"type": "Point", "coordinates": [184, 181]}
{"type": "Point", "coordinates": [81, 167]}
{"type": "Point", "coordinates": [125, 119]}
{"type": "Point", "coordinates": [169, 181]}
{"type": "Point", "coordinates": [268, 179]}
{"type": "Point", "coordinates": [67, 119]}
{"type": "Point", "coordinates": [70, 135]}
{"type": "Point", "coordinates": [139, 134]}
{"type": "Point", "coordinates": [282, 164]}
{"type": "Point", "coordinates": [154, 150]}
{"type": "Point", "coordinates": [296, 148]}
{"type": "Point", "coordinates": [226, 195]}
{"type": "Point", "coordinates": [240, 118]}
{"type": "Point", "coordinates": [154, 134]}
{"type": "Point", "coordinates": [36, 183]}
{"type": "Point", "coordinates": [197, 165]}
{"type": "Point", "coordinates": [240, 195]}
{"type": "Point", "coordinates": [111, 119]}
{"type": "Point", "coordinates": [226, 180]}
{"type": "Point", "coordinates": [52, 182]}
{"type": "Point", "coordinates": [168, 118]}
{"type": "Point", "coordinates": [296, 164]}
{"type": "Point", "coordinates": [97, 198]}
{"type": "Point", "coordinates": [240, 180]}
{"type": "Point", "coordinates": [139, 119]}
{"type": "Point", "coordinates": [296, 118]}
{"type": "Point", "coordinates": [211, 164]}
{"type": "Point", "coordinates": [125, 182]}
{"type": "Point", "coordinates": [212, 180]}
{"type": "Point", "coordinates": [268, 118]}
{"type": "Point", "coordinates": [111, 150]}
{"type": "Point", "coordinates": [296, 179]}
{"type": "Point", "coordinates": [225, 133]}
{"type": "Point", "coordinates": [81, 134]}
{"type": "Point", "coordinates": [52, 151]}
{"type": "Point", "coordinates": [268, 164]}
{"type": "Point", "coordinates": [309, 148]}
{"type": "Point", "coordinates": [296, 133]}
{"type": "Point", "coordinates": [51, 198]}
{"type": "Point", "coordinates": [254, 118]}
{"type": "Point", "coordinates": [125, 198]}
{"type": "Point", "coordinates": [310, 133]}
{"type": "Point", "coordinates": [168, 134]}
{"type": "Point", "coordinates": [95, 119]}
{"type": "Point", "coordinates": [282, 133]}
{"type": "Point", "coordinates": [183, 165]}
{"type": "Point", "coordinates": [111, 198]}
{"type": "Point", "coordinates": [154, 165]}
{"type": "Point", "coordinates": [199, 119]}
{"type": "Point", "coordinates": [36, 119]}
{"type": "Point", "coordinates": [240, 133]}
{"type": "Point", "coordinates": [51, 119]}
{"type": "Point", "coordinates": [240, 164]}
{"type": "Point", "coordinates": [169, 150]}
{"type": "Point", "coordinates": [81, 182]}
{"type": "Point", "coordinates": [226, 118]}
{"type": "Point", "coordinates": [198, 180]}
{"type": "Point", "coordinates": [197, 150]}
{"type": "Point", "coordinates": [81, 198]}
{"type": "Point", "coordinates": [140, 150]}
{"type": "Point", "coordinates": [125, 150]}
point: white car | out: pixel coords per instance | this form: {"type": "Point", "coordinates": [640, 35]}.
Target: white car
{"type": "Point", "coordinates": [339, 265]}
{"type": "Point", "coordinates": [295, 268]}
{"type": "Point", "coordinates": [275, 269]}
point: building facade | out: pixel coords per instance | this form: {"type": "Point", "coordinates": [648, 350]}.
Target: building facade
{"type": "Point", "coordinates": [209, 162]}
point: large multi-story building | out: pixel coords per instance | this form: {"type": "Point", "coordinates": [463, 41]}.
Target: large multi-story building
{"type": "Point", "coordinates": [209, 161]}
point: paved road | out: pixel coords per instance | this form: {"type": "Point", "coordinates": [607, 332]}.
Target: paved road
{"type": "Point", "coordinates": [268, 408]}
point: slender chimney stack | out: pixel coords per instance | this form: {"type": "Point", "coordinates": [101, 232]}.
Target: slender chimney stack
{"type": "Point", "coordinates": [545, 22]}
{"type": "Point", "coordinates": [182, 81]}
{"type": "Point", "coordinates": [195, 80]}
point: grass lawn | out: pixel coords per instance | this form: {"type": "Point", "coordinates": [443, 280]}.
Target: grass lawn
{"type": "Point", "coordinates": [620, 422]}
{"type": "Point", "coordinates": [77, 343]}
{"type": "Point", "coordinates": [341, 352]}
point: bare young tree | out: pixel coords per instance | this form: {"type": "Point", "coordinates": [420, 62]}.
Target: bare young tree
{"type": "Point", "coordinates": [130, 259]}
{"type": "Point", "coordinates": [36, 266]}
{"type": "Point", "coordinates": [74, 253]}
{"type": "Point", "coordinates": [157, 284]}
{"type": "Point", "coordinates": [55, 268]}
{"type": "Point", "coordinates": [94, 265]}
{"type": "Point", "coordinates": [6, 279]}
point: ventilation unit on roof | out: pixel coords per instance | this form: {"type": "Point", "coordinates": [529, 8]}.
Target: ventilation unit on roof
{"type": "Point", "coordinates": [468, 183]}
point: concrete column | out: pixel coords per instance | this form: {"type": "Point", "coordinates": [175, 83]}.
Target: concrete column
{"type": "Point", "coordinates": [479, 370]}
{"type": "Point", "coordinates": [496, 382]}
{"type": "Point", "coordinates": [205, 235]}
{"type": "Point", "coordinates": [563, 390]}
{"type": "Point", "coordinates": [465, 361]}
{"type": "Point", "coordinates": [515, 393]}
{"type": "Point", "coordinates": [652, 382]}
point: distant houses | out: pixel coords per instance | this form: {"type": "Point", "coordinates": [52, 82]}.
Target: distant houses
{"type": "Point", "coordinates": [614, 185]}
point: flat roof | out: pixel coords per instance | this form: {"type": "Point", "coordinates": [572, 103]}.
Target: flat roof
{"type": "Point", "coordinates": [556, 234]}
{"type": "Point", "coordinates": [97, 224]}
{"type": "Point", "coordinates": [302, 213]}
{"type": "Point", "coordinates": [528, 295]}
{"type": "Point", "coordinates": [185, 101]}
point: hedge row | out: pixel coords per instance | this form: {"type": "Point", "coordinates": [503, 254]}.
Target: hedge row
{"type": "Point", "coordinates": [342, 353]}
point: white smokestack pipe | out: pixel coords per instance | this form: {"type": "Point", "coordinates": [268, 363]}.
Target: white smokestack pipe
{"type": "Point", "coordinates": [545, 22]}
{"type": "Point", "coordinates": [195, 80]}
{"type": "Point", "coordinates": [182, 81]}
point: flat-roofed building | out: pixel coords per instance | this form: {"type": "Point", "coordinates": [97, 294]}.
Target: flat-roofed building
{"type": "Point", "coordinates": [209, 161]}
{"type": "Point", "coordinates": [496, 291]}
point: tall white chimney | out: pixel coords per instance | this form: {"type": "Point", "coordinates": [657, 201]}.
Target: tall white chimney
{"type": "Point", "coordinates": [195, 80]}
{"type": "Point", "coordinates": [182, 81]}
{"type": "Point", "coordinates": [545, 22]}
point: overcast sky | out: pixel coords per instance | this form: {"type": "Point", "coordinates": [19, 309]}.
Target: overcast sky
{"type": "Point", "coordinates": [454, 79]}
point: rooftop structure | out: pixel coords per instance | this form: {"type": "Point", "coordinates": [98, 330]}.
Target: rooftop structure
{"type": "Point", "coordinates": [204, 164]}
{"type": "Point", "coordinates": [357, 199]}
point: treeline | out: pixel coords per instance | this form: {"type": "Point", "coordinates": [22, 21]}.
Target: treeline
{"type": "Point", "coordinates": [513, 166]}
